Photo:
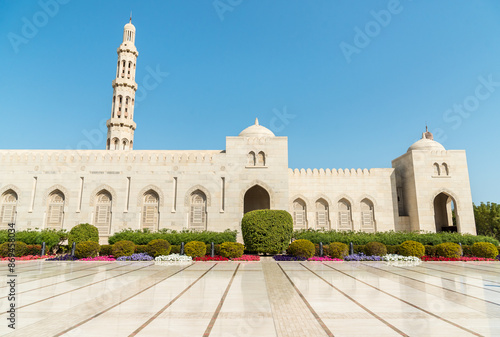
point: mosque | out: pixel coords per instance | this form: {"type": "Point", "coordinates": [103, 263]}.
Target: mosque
{"type": "Point", "coordinates": [427, 188]}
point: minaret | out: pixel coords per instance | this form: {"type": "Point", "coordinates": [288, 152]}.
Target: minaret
{"type": "Point", "coordinates": [121, 125]}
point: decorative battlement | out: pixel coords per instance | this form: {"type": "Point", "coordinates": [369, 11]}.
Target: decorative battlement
{"type": "Point", "coordinates": [336, 172]}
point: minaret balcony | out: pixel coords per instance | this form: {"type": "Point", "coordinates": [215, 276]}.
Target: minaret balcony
{"type": "Point", "coordinates": [124, 82]}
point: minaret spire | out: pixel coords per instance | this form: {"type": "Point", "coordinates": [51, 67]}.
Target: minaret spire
{"type": "Point", "coordinates": [121, 125]}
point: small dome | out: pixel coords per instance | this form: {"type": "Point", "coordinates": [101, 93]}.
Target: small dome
{"type": "Point", "coordinates": [129, 26]}
{"type": "Point", "coordinates": [256, 130]}
{"type": "Point", "coordinates": [427, 143]}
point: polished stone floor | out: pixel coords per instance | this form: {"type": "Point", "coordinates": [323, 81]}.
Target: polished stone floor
{"type": "Point", "coordinates": [253, 299]}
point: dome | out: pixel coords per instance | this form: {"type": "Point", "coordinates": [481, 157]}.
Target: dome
{"type": "Point", "coordinates": [427, 143]}
{"type": "Point", "coordinates": [129, 26]}
{"type": "Point", "coordinates": [256, 130]}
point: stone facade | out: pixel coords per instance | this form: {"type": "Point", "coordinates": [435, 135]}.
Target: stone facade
{"type": "Point", "coordinates": [121, 188]}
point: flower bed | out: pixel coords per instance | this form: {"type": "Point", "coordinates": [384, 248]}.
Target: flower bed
{"type": "Point", "coordinates": [362, 257]}
{"type": "Point", "coordinates": [463, 258]}
{"type": "Point", "coordinates": [173, 258]}
{"type": "Point", "coordinates": [26, 258]}
{"type": "Point", "coordinates": [136, 257]}
{"type": "Point", "coordinates": [396, 257]}
{"type": "Point", "coordinates": [65, 257]}
{"type": "Point", "coordinates": [247, 258]}
{"type": "Point", "coordinates": [209, 258]}
{"type": "Point", "coordinates": [288, 258]}
{"type": "Point", "coordinates": [323, 259]}
{"type": "Point", "coordinates": [107, 258]}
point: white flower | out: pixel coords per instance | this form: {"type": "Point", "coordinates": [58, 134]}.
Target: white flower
{"type": "Point", "coordinates": [396, 258]}
{"type": "Point", "coordinates": [172, 258]}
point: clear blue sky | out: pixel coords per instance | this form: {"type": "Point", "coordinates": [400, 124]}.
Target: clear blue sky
{"type": "Point", "coordinates": [357, 100]}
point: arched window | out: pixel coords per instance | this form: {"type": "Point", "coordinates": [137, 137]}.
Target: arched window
{"type": "Point", "coordinates": [8, 211]}
{"type": "Point", "coordinates": [129, 67]}
{"type": "Point", "coordinates": [55, 210]}
{"type": "Point", "coordinates": [102, 218]}
{"type": "Point", "coordinates": [261, 159]}
{"type": "Point", "coordinates": [116, 142]}
{"type": "Point", "coordinates": [123, 69]}
{"type": "Point", "coordinates": [367, 215]}
{"type": "Point", "coordinates": [251, 159]}
{"type": "Point", "coordinates": [437, 171]}
{"type": "Point", "coordinates": [198, 210]}
{"type": "Point", "coordinates": [108, 144]}
{"type": "Point", "coordinates": [445, 169]}
{"type": "Point", "coordinates": [345, 221]}
{"type": "Point", "coordinates": [299, 214]}
{"type": "Point", "coordinates": [322, 218]}
{"type": "Point", "coordinates": [124, 144]}
{"type": "Point", "coordinates": [131, 145]}
{"type": "Point", "coordinates": [113, 106]}
{"type": "Point", "coordinates": [150, 211]}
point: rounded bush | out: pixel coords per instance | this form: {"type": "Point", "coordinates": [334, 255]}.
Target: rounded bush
{"type": "Point", "coordinates": [375, 248]}
{"type": "Point", "coordinates": [20, 249]}
{"type": "Point", "coordinates": [430, 250]}
{"type": "Point", "coordinates": [357, 249]}
{"type": "Point", "coordinates": [86, 249]}
{"type": "Point", "coordinates": [301, 248]}
{"type": "Point", "coordinates": [34, 250]}
{"type": "Point", "coordinates": [195, 249]}
{"type": "Point", "coordinates": [123, 248]}
{"type": "Point", "coordinates": [231, 250]}
{"type": "Point", "coordinates": [83, 232]}
{"type": "Point", "coordinates": [411, 248]}
{"type": "Point", "coordinates": [393, 249]}
{"type": "Point", "coordinates": [448, 249]}
{"type": "Point", "coordinates": [267, 231]}
{"type": "Point", "coordinates": [158, 247]}
{"type": "Point", "coordinates": [141, 249]}
{"type": "Point", "coordinates": [484, 249]}
{"type": "Point", "coordinates": [106, 250]}
{"type": "Point", "coordinates": [338, 250]}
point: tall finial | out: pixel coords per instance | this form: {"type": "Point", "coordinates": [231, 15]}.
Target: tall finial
{"type": "Point", "coordinates": [256, 121]}
{"type": "Point", "coordinates": [130, 17]}
{"type": "Point", "coordinates": [426, 130]}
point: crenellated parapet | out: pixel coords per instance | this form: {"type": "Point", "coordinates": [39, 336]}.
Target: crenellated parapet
{"type": "Point", "coordinates": [296, 173]}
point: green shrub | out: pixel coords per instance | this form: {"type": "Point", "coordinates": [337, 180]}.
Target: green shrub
{"type": "Point", "coordinates": [375, 248]}
{"type": "Point", "coordinates": [195, 248]}
{"type": "Point", "coordinates": [301, 248]}
{"type": "Point", "coordinates": [86, 249]}
{"type": "Point", "coordinates": [484, 249]}
{"type": "Point", "coordinates": [448, 249]}
{"type": "Point", "coordinates": [141, 249]}
{"type": "Point", "coordinates": [392, 249]}
{"type": "Point", "coordinates": [123, 248]}
{"type": "Point", "coordinates": [357, 249]}
{"type": "Point", "coordinates": [175, 249]}
{"type": "Point", "coordinates": [52, 238]}
{"type": "Point", "coordinates": [430, 250]}
{"type": "Point", "coordinates": [338, 250]}
{"type": "Point", "coordinates": [34, 250]}
{"type": "Point", "coordinates": [231, 249]}
{"type": "Point", "coordinates": [142, 237]}
{"type": "Point", "coordinates": [158, 247]}
{"type": "Point", "coordinates": [106, 250]}
{"type": "Point", "coordinates": [83, 232]}
{"type": "Point", "coordinates": [411, 248]}
{"type": "Point", "coordinates": [467, 250]}
{"type": "Point", "coordinates": [216, 249]}
{"type": "Point", "coordinates": [267, 231]}
{"type": "Point", "coordinates": [390, 237]}
{"type": "Point", "coordinates": [20, 249]}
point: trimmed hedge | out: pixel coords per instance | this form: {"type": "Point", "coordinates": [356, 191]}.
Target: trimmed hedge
{"type": "Point", "coordinates": [34, 249]}
{"type": "Point", "coordinates": [123, 248]}
{"type": "Point", "coordinates": [52, 238]}
{"type": "Point", "coordinates": [231, 250]}
{"type": "Point", "coordinates": [86, 249]}
{"type": "Point", "coordinates": [430, 250]}
{"type": "Point", "coordinates": [158, 247]}
{"type": "Point", "coordinates": [106, 250]}
{"type": "Point", "coordinates": [484, 249]}
{"type": "Point", "coordinates": [141, 249]}
{"type": "Point", "coordinates": [267, 231]}
{"type": "Point", "coordinates": [175, 249]}
{"type": "Point", "coordinates": [375, 248]}
{"type": "Point", "coordinates": [390, 237]}
{"type": "Point", "coordinates": [448, 249]}
{"type": "Point", "coordinates": [83, 232]}
{"type": "Point", "coordinates": [411, 248]}
{"type": "Point", "coordinates": [143, 237]}
{"type": "Point", "coordinates": [195, 248]}
{"type": "Point", "coordinates": [301, 248]}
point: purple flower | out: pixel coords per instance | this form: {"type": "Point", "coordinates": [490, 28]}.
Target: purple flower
{"type": "Point", "coordinates": [288, 258]}
{"type": "Point", "coordinates": [362, 257]}
{"type": "Point", "coordinates": [66, 257]}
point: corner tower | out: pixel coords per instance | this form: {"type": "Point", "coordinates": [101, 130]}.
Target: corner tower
{"type": "Point", "coordinates": [121, 125]}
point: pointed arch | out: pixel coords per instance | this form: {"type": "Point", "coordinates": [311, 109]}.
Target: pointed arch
{"type": "Point", "coordinates": [187, 197]}
{"type": "Point", "coordinates": [256, 197]}
{"type": "Point", "coordinates": [251, 159]}
{"type": "Point", "coordinates": [261, 184]}
{"type": "Point", "coordinates": [150, 210]}
{"type": "Point", "coordinates": [103, 210]}
{"type": "Point", "coordinates": [154, 188]}
{"type": "Point", "coordinates": [344, 207]}
{"type": "Point", "coordinates": [51, 189]}
{"type": "Point", "coordinates": [8, 208]}
{"type": "Point", "coordinates": [100, 188]}
{"type": "Point", "coordinates": [14, 189]}
{"type": "Point", "coordinates": [299, 214]}
{"type": "Point", "coordinates": [322, 214]}
{"type": "Point", "coordinates": [55, 209]}
{"type": "Point", "coordinates": [367, 215]}
{"type": "Point", "coordinates": [261, 159]}
{"type": "Point", "coordinates": [436, 169]}
{"type": "Point", "coordinates": [198, 210]}
{"type": "Point", "coordinates": [447, 209]}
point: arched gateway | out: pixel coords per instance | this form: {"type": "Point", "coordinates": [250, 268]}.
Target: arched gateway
{"type": "Point", "coordinates": [256, 198]}
{"type": "Point", "coordinates": [445, 213]}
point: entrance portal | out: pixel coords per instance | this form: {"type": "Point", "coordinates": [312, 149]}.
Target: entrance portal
{"type": "Point", "coordinates": [256, 198]}
{"type": "Point", "coordinates": [445, 213]}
